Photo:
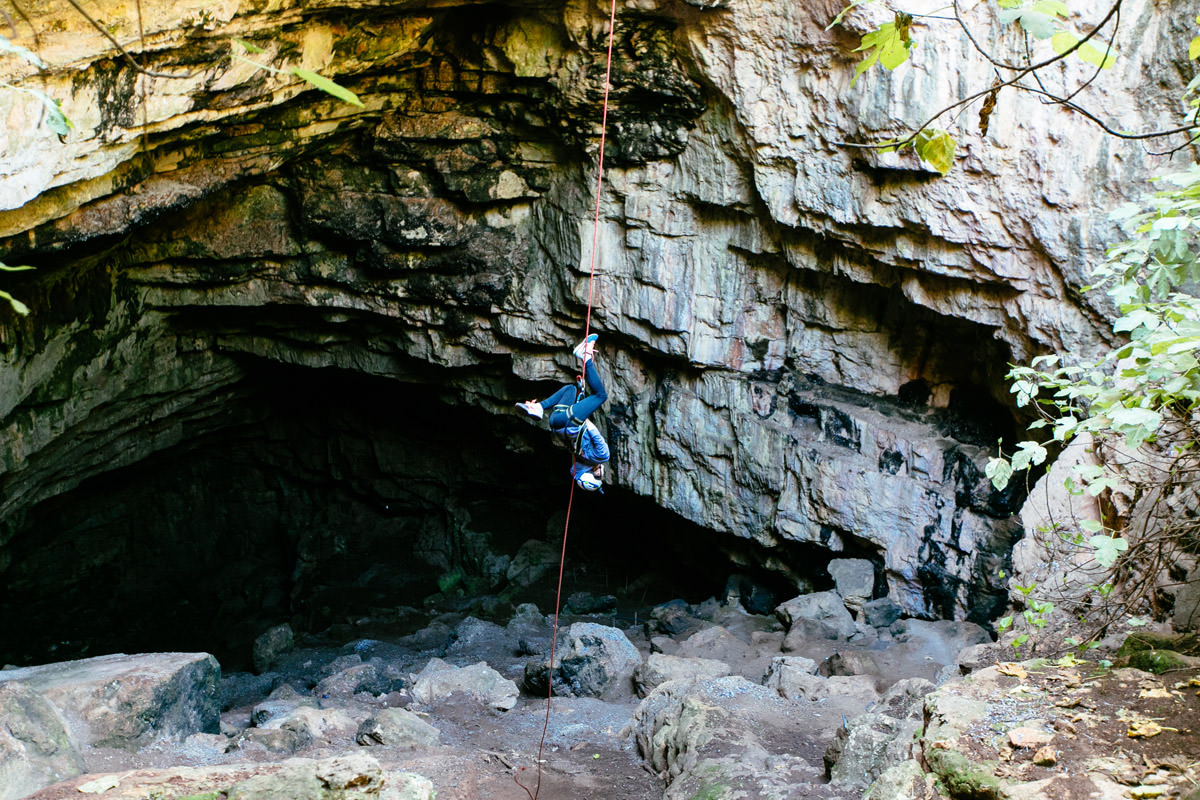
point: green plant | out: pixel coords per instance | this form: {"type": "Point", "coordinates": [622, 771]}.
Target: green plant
{"type": "Point", "coordinates": [1138, 402]}
{"type": "Point", "coordinates": [1045, 35]}
{"type": "Point", "coordinates": [16, 304]}
{"type": "Point", "coordinates": [314, 79]}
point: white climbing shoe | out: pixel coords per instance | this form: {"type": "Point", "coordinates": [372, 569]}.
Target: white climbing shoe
{"type": "Point", "coordinates": [585, 349]}
{"type": "Point", "coordinates": [532, 408]}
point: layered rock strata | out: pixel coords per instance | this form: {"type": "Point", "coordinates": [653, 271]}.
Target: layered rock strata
{"type": "Point", "coordinates": [804, 343]}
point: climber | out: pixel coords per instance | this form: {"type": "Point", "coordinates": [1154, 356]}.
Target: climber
{"type": "Point", "coordinates": [569, 410]}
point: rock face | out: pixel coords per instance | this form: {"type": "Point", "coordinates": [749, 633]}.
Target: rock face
{"type": "Point", "coordinates": [804, 344]}
{"type": "Point", "coordinates": [36, 748]}
{"type": "Point", "coordinates": [129, 701]}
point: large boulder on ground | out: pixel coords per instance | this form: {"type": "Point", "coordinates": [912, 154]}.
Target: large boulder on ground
{"type": "Point", "coordinates": [438, 681]}
{"type": "Point", "coordinates": [36, 749]}
{"type": "Point", "coordinates": [130, 701]}
{"type": "Point", "coordinates": [592, 661]}
{"type": "Point", "coordinates": [854, 580]}
{"type": "Point", "coordinates": [397, 727]}
{"type": "Point", "coordinates": [351, 681]}
{"type": "Point", "coordinates": [726, 732]}
{"type": "Point", "coordinates": [880, 613]}
{"type": "Point", "coordinates": [345, 777]}
{"type": "Point", "coordinates": [754, 597]}
{"type": "Point", "coordinates": [352, 777]}
{"type": "Point", "coordinates": [271, 645]}
{"type": "Point", "coordinates": [787, 673]}
{"type": "Point", "coordinates": [660, 668]}
{"type": "Point", "coordinates": [871, 743]}
{"type": "Point", "coordinates": [533, 560]}
{"type": "Point", "coordinates": [826, 609]}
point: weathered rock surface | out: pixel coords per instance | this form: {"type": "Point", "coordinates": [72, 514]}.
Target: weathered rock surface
{"type": "Point", "coordinates": [439, 681]}
{"type": "Point", "coordinates": [397, 727]}
{"type": "Point", "coordinates": [659, 668]}
{"type": "Point", "coordinates": [129, 701]}
{"type": "Point", "coordinates": [806, 344]}
{"type": "Point", "coordinates": [272, 644]}
{"type": "Point", "coordinates": [36, 748]}
{"type": "Point", "coordinates": [826, 609]}
{"type": "Point", "coordinates": [592, 661]}
{"type": "Point", "coordinates": [1001, 731]}
{"type": "Point", "coordinates": [723, 737]}
{"type": "Point", "coordinates": [352, 777]}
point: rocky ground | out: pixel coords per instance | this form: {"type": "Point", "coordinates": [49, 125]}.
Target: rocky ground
{"type": "Point", "coordinates": [696, 701]}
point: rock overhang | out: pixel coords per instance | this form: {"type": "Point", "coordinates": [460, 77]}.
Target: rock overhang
{"type": "Point", "coordinates": [440, 235]}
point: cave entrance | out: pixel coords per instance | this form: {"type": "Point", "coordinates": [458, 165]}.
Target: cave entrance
{"type": "Point", "coordinates": [322, 497]}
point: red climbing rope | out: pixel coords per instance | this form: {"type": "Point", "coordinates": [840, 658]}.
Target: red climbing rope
{"type": "Point", "coordinates": [587, 328]}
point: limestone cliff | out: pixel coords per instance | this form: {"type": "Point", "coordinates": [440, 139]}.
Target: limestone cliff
{"type": "Point", "coordinates": [804, 342]}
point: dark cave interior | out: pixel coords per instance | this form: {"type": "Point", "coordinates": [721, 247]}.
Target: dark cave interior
{"type": "Point", "coordinates": [327, 496]}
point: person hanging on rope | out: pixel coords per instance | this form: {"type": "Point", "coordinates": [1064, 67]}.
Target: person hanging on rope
{"type": "Point", "coordinates": [569, 409]}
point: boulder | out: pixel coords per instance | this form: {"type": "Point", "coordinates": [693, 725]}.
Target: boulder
{"type": "Point", "coordinates": [854, 580]}
{"type": "Point", "coordinates": [271, 645]}
{"type": "Point", "coordinates": [397, 727]}
{"type": "Point", "coordinates": [880, 613]}
{"type": "Point", "coordinates": [407, 786]}
{"type": "Point", "coordinates": [871, 743]}
{"type": "Point", "coordinates": [588, 603]}
{"type": "Point", "coordinates": [438, 681]}
{"type": "Point", "coordinates": [352, 776]}
{"type": "Point", "coordinates": [825, 608]}
{"type": "Point", "coordinates": [725, 732]}
{"type": "Point", "coordinates": [357, 776]}
{"type": "Point", "coordinates": [660, 668]}
{"type": "Point", "coordinates": [856, 690]}
{"type": "Point", "coordinates": [715, 642]}
{"type": "Point", "coordinates": [752, 596]}
{"type": "Point", "coordinates": [850, 662]}
{"type": "Point", "coordinates": [36, 747]}
{"type": "Point", "coordinates": [592, 661]}
{"type": "Point", "coordinates": [130, 701]}
{"type": "Point", "coordinates": [674, 618]}
{"type": "Point", "coordinates": [351, 681]}
{"type": "Point", "coordinates": [1186, 613]}
{"type": "Point", "coordinates": [325, 725]}
{"type": "Point", "coordinates": [534, 559]}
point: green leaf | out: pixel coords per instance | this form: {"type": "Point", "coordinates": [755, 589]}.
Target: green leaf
{"type": "Point", "coordinates": [1108, 549]}
{"type": "Point", "coordinates": [248, 47]}
{"type": "Point", "coordinates": [6, 268]}
{"type": "Point", "coordinates": [16, 304]}
{"type": "Point", "coordinates": [1194, 49]}
{"type": "Point", "coordinates": [55, 118]}
{"type": "Point", "coordinates": [1090, 525]}
{"type": "Point", "coordinates": [328, 86]}
{"type": "Point", "coordinates": [1104, 59]}
{"type": "Point", "coordinates": [936, 148]}
{"type": "Point", "coordinates": [7, 46]}
{"type": "Point", "coordinates": [841, 14]}
{"type": "Point", "coordinates": [998, 471]}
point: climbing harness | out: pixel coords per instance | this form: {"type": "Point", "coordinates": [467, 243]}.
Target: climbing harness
{"type": "Point", "coordinates": [587, 327]}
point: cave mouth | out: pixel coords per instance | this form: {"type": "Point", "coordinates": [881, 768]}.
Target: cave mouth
{"type": "Point", "coordinates": [323, 496]}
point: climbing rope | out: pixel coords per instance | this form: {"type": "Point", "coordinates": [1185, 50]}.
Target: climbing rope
{"type": "Point", "coordinates": [587, 328]}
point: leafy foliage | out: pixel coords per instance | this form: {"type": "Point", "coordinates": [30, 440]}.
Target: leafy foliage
{"type": "Point", "coordinates": [314, 79]}
{"type": "Point", "coordinates": [891, 43]}
{"type": "Point", "coordinates": [1143, 393]}
{"type": "Point", "coordinates": [888, 45]}
{"type": "Point", "coordinates": [16, 304]}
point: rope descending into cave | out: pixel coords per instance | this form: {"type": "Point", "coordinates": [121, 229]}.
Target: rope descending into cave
{"type": "Point", "coordinates": [587, 328]}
